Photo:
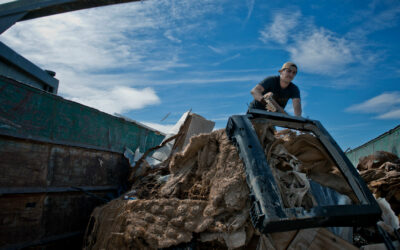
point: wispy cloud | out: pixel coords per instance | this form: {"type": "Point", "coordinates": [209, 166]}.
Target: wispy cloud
{"type": "Point", "coordinates": [386, 105]}
{"type": "Point", "coordinates": [169, 34]}
{"type": "Point", "coordinates": [317, 50]}
{"type": "Point", "coordinates": [100, 55]}
{"type": "Point", "coordinates": [250, 7]}
{"type": "Point", "coordinates": [116, 99]}
{"type": "Point", "coordinates": [227, 59]}
{"type": "Point", "coordinates": [216, 50]}
{"type": "Point", "coordinates": [376, 18]}
{"type": "Point", "coordinates": [394, 114]}
{"type": "Point", "coordinates": [322, 52]}
{"type": "Point", "coordinates": [280, 30]}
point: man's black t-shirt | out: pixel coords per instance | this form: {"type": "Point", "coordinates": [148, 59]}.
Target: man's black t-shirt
{"type": "Point", "coordinates": [281, 96]}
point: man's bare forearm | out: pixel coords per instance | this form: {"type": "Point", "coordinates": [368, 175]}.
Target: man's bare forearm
{"type": "Point", "coordinates": [297, 106]}
{"type": "Point", "coordinates": [257, 93]}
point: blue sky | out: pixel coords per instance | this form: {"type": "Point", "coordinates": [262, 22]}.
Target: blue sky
{"type": "Point", "coordinates": [147, 59]}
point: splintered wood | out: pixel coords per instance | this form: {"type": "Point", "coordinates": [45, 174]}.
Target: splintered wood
{"type": "Point", "coordinates": [206, 198]}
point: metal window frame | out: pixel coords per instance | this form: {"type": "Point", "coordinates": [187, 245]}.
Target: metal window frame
{"type": "Point", "coordinates": [268, 213]}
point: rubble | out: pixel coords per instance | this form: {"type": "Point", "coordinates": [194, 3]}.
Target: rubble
{"type": "Point", "coordinates": [381, 172]}
{"type": "Point", "coordinates": [206, 193]}
{"type": "Point", "coordinates": [206, 197]}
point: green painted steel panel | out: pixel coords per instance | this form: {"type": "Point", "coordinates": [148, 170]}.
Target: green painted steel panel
{"type": "Point", "coordinates": [30, 113]}
{"type": "Point", "coordinates": [389, 141]}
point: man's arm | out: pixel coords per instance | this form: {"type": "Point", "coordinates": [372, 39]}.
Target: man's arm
{"type": "Point", "coordinates": [297, 106]}
{"type": "Point", "coordinates": [257, 93]}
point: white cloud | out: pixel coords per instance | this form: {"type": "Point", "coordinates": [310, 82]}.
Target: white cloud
{"type": "Point", "coordinates": [74, 39]}
{"type": "Point", "coordinates": [281, 28]}
{"type": "Point", "coordinates": [377, 19]}
{"type": "Point", "coordinates": [250, 7]}
{"type": "Point", "coordinates": [100, 54]}
{"type": "Point", "coordinates": [216, 50]}
{"type": "Point", "coordinates": [387, 105]}
{"type": "Point", "coordinates": [118, 99]}
{"type": "Point", "coordinates": [168, 34]}
{"type": "Point", "coordinates": [322, 52]}
{"type": "Point", "coordinates": [316, 50]}
{"type": "Point", "coordinates": [378, 103]}
{"type": "Point", "coordinates": [394, 114]}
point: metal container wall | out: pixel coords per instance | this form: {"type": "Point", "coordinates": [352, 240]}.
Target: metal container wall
{"type": "Point", "coordinates": [29, 113]}
{"type": "Point", "coordinates": [58, 160]}
{"type": "Point", "coordinates": [389, 141]}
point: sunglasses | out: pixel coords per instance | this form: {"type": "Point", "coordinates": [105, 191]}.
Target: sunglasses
{"type": "Point", "coordinates": [291, 71]}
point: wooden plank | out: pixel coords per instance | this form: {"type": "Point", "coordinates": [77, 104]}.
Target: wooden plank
{"type": "Point", "coordinates": [303, 239]}
{"type": "Point", "coordinates": [327, 240]}
{"type": "Point", "coordinates": [318, 238]}
{"type": "Point", "coordinates": [283, 239]}
{"type": "Point", "coordinates": [265, 243]}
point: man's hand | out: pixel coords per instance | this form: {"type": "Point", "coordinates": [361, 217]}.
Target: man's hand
{"type": "Point", "coordinates": [272, 105]}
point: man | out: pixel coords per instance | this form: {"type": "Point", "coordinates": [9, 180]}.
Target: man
{"type": "Point", "coordinates": [281, 87]}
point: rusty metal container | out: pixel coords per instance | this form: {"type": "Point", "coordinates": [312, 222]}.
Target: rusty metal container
{"type": "Point", "coordinates": [58, 160]}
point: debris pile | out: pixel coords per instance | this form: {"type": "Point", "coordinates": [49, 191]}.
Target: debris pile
{"type": "Point", "coordinates": [300, 155]}
{"type": "Point", "coordinates": [202, 193]}
{"type": "Point", "coordinates": [381, 172]}
{"type": "Point", "coordinates": [206, 193]}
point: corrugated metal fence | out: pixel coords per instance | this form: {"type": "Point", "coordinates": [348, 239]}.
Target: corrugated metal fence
{"type": "Point", "coordinates": [389, 141]}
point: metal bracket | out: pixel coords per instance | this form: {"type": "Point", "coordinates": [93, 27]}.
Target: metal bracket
{"type": "Point", "coordinates": [268, 212]}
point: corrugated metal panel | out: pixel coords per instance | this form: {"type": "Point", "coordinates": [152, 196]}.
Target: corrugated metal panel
{"type": "Point", "coordinates": [389, 141]}
{"type": "Point", "coordinates": [29, 113]}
